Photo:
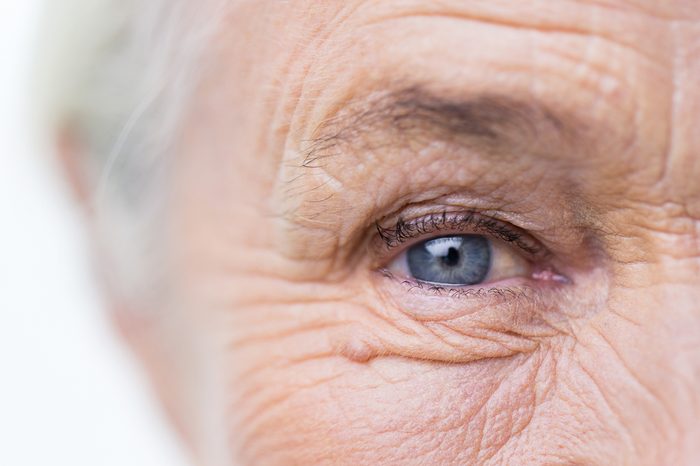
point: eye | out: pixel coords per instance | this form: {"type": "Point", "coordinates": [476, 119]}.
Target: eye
{"type": "Point", "coordinates": [459, 260]}
{"type": "Point", "coordinates": [452, 260]}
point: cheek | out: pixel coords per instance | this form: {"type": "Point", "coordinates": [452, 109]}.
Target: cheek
{"type": "Point", "coordinates": [328, 409]}
{"type": "Point", "coordinates": [296, 397]}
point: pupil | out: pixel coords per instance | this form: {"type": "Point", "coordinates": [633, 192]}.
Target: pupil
{"type": "Point", "coordinates": [452, 257]}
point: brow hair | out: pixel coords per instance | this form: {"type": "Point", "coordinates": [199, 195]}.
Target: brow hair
{"type": "Point", "coordinates": [414, 114]}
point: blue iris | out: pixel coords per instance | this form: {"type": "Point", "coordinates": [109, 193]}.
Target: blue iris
{"type": "Point", "coordinates": [451, 260]}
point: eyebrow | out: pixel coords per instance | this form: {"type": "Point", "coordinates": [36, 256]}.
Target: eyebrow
{"type": "Point", "coordinates": [493, 122]}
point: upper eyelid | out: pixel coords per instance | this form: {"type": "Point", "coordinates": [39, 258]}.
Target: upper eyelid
{"type": "Point", "coordinates": [407, 230]}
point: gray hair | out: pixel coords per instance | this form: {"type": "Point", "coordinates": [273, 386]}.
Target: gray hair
{"type": "Point", "coordinates": [116, 75]}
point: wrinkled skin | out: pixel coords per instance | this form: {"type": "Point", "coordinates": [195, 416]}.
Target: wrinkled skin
{"type": "Point", "coordinates": [283, 343]}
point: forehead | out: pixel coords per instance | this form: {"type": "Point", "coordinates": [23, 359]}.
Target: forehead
{"type": "Point", "coordinates": [624, 70]}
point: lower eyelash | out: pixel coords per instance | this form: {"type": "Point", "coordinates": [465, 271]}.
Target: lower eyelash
{"type": "Point", "coordinates": [474, 291]}
{"type": "Point", "coordinates": [457, 292]}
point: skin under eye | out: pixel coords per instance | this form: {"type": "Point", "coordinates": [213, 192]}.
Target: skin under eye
{"type": "Point", "coordinates": [459, 260]}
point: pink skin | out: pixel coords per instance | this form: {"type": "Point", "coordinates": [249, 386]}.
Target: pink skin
{"type": "Point", "coordinates": [281, 342]}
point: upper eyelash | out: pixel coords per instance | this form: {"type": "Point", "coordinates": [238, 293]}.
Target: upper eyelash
{"type": "Point", "coordinates": [406, 230]}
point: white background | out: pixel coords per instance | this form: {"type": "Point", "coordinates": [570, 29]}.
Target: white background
{"type": "Point", "coordinates": [70, 393]}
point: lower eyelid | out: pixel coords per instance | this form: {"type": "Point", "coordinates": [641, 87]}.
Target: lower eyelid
{"type": "Point", "coordinates": [492, 322]}
{"type": "Point", "coordinates": [440, 297]}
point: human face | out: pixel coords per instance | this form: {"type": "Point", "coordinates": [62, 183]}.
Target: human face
{"type": "Point", "coordinates": [330, 141]}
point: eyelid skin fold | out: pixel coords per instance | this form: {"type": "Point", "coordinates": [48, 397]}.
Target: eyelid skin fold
{"type": "Point", "coordinates": [460, 325]}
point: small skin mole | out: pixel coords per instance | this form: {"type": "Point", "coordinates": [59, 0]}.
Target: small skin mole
{"type": "Point", "coordinates": [358, 350]}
